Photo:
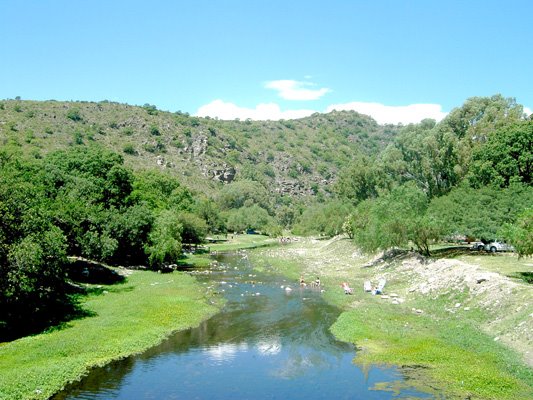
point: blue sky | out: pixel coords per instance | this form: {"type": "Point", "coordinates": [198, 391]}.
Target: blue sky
{"type": "Point", "coordinates": [397, 60]}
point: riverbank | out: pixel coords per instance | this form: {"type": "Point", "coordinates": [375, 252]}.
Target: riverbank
{"type": "Point", "coordinates": [456, 329]}
{"type": "Point", "coordinates": [123, 319]}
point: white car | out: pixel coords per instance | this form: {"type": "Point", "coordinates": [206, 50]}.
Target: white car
{"type": "Point", "coordinates": [478, 246]}
{"type": "Point", "coordinates": [495, 246]}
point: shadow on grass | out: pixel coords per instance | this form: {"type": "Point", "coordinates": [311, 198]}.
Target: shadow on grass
{"type": "Point", "coordinates": [455, 251]}
{"type": "Point", "coordinates": [525, 276]}
{"type": "Point", "coordinates": [32, 318]}
{"type": "Point", "coordinates": [86, 271]}
{"type": "Point", "coordinates": [53, 317]}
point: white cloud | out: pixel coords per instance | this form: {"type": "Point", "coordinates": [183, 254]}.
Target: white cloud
{"type": "Point", "coordinates": [383, 114]}
{"type": "Point", "coordinates": [264, 111]}
{"type": "Point", "coordinates": [295, 90]}
{"type": "Point", "coordinates": [528, 111]}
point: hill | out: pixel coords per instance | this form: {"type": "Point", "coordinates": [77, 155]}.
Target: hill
{"type": "Point", "coordinates": [289, 157]}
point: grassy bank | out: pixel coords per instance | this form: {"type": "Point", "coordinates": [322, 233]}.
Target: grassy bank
{"type": "Point", "coordinates": [127, 319]}
{"type": "Point", "coordinates": [442, 349]}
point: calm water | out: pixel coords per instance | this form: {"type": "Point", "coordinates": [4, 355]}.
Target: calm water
{"type": "Point", "coordinates": [268, 343]}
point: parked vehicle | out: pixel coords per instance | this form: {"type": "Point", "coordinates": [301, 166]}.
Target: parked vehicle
{"type": "Point", "coordinates": [495, 246]}
{"type": "Point", "coordinates": [478, 246]}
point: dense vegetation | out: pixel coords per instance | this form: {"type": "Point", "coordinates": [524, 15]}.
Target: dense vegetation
{"type": "Point", "coordinates": [131, 185]}
{"type": "Point", "coordinates": [83, 202]}
{"type": "Point", "coordinates": [467, 176]}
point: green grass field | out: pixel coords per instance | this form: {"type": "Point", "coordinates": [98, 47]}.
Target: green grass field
{"type": "Point", "coordinates": [507, 264]}
{"type": "Point", "coordinates": [127, 319]}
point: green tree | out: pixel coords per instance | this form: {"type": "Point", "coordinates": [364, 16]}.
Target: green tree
{"type": "Point", "coordinates": [507, 157]}
{"type": "Point", "coordinates": [248, 217]}
{"type": "Point", "coordinates": [360, 181]}
{"type": "Point", "coordinates": [479, 116]}
{"type": "Point", "coordinates": [210, 212]}
{"type": "Point", "coordinates": [194, 228]}
{"type": "Point", "coordinates": [395, 220]}
{"type": "Point", "coordinates": [240, 193]}
{"type": "Point", "coordinates": [323, 219]}
{"type": "Point", "coordinates": [33, 289]}
{"type": "Point", "coordinates": [480, 213]}
{"type": "Point", "coordinates": [161, 190]}
{"type": "Point", "coordinates": [164, 245]}
{"type": "Point", "coordinates": [520, 233]}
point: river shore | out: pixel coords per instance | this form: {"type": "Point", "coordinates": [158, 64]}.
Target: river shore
{"type": "Point", "coordinates": [456, 326]}
{"type": "Point", "coordinates": [122, 320]}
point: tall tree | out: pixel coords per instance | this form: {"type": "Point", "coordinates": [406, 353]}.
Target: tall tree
{"type": "Point", "coordinates": [506, 158]}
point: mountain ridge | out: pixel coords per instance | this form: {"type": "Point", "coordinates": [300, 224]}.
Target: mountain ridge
{"type": "Point", "coordinates": [299, 157]}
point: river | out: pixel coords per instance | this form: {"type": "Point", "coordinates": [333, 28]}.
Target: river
{"type": "Point", "coordinates": [268, 342]}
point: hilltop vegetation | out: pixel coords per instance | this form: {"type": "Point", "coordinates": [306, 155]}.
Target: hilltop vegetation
{"type": "Point", "coordinates": [296, 157]}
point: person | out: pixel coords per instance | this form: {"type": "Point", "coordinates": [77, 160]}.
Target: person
{"type": "Point", "coordinates": [317, 282]}
{"type": "Point", "coordinates": [302, 281]}
{"type": "Point", "coordinates": [347, 288]}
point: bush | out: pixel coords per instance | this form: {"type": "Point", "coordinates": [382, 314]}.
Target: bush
{"type": "Point", "coordinates": [74, 114]}
{"type": "Point", "coordinates": [154, 130]}
{"type": "Point", "coordinates": [129, 149]}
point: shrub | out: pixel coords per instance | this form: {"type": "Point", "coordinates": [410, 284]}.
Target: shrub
{"type": "Point", "coordinates": [154, 130]}
{"type": "Point", "coordinates": [74, 115]}
{"type": "Point", "coordinates": [129, 149]}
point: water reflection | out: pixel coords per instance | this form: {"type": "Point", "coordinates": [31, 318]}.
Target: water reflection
{"type": "Point", "coordinates": [268, 343]}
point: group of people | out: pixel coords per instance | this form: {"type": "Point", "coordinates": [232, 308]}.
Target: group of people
{"type": "Point", "coordinates": [315, 283]}
{"type": "Point", "coordinates": [367, 287]}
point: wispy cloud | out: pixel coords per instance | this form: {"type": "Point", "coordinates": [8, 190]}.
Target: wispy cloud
{"type": "Point", "coordinates": [383, 114]}
{"type": "Point", "coordinates": [296, 90]}
{"type": "Point", "coordinates": [262, 112]}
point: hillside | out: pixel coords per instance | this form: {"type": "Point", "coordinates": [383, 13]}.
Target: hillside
{"type": "Point", "coordinates": [293, 157]}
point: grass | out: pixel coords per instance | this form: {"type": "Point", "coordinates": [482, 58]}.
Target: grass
{"type": "Point", "coordinates": [441, 353]}
{"type": "Point", "coordinates": [128, 319]}
{"type": "Point", "coordinates": [237, 242]}
{"type": "Point", "coordinates": [233, 243]}
{"type": "Point", "coordinates": [507, 264]}
{"type": "Point", "coordinates": [448, 353]}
